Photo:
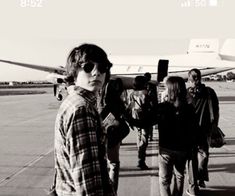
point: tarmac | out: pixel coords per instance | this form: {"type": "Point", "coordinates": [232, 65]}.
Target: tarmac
{"type": "Point", "coordinates": [26, 149]}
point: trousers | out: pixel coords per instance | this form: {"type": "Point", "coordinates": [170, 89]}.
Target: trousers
{"type": "Point", "coordinates": [142, 143]}
{"type": "Point", "coordinates": [114, 165]}
{"type": "Point", "coordinates": [171, 164]}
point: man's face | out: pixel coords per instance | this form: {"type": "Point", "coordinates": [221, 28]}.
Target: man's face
{"type": "Point", "coordinates": [193, 80]}
{"type": "Point", "coordinates": [90, 77]}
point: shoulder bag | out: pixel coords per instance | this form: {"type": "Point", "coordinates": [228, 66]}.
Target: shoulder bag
{"type": "Point", "coordinates": [217, 137]}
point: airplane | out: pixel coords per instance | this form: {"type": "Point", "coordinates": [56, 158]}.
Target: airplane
{"type": "Point", "coordinates": [202, 54]}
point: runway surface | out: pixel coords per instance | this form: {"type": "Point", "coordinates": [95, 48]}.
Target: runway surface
{"type": "Point", "coordinates": [26, 149]}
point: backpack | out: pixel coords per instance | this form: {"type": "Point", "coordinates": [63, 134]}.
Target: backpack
{"type": "Point", "coordinates": [140, 108]}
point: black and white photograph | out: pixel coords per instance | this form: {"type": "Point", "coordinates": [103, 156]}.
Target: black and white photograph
{"type": "Point", "coordinates": [117, 98]}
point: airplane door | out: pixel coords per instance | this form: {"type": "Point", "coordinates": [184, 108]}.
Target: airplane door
{"type": "Point", "coordinates": [162, 69]}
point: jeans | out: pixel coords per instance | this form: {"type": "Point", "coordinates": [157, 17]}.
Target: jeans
{"type": "Point", "coordinates": [142, 144]}
{"type": "Point", "coordinates": [114, 165]}
{"type": "Point", "coordinates": [192, 166]}
{"type": "Point", "coordinates": [171, 163]}
{"type": "Point", "coordinates": [151, 133]}
{"type": "Point", "coordinates": [203, 159]}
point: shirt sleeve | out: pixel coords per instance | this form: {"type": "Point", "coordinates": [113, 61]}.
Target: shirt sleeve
{"type": "Point", "coordinates": [215, 105]}
{"type": "Point", "coordinates": [83, 152]}
{"type": "Point", "coordinates": [194, 126]}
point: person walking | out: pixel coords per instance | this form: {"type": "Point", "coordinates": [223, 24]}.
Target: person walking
{"type": "Point", "coordinates": [153, 98]}
{"type": "Point", "coordinates": [200, 95]}
{"type": "Point", "coordinates": [111, 104]}
{"type": "Point", "coordinates": [176, 125]}
{"type": "Point", "coordinates": [139, 105]}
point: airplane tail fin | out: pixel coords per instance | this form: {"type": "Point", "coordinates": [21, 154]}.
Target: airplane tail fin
{"type": "Point", "coordinates": [227, 51]}
{"type": "Point", "coordinates": [203, 46]}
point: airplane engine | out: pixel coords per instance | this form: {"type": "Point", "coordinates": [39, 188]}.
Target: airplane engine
{"type": "Point", "coordinates": [58, 94]}
{"type": "Point", "coordinates": [59, 97]}
{"type": "Point", "coordinates": [57, 87]}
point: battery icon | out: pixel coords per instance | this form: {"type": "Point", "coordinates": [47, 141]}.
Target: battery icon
{"type": "Point", "coordinates": [213, 3]}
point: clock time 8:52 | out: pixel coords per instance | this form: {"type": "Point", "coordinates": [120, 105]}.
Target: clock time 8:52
{"type": "Point", "coordinates": [31, 3]}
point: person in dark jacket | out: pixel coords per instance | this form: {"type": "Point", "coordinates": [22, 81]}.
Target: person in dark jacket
{"type": "Point", "coordinates": [153, 97]}
{"type": "Point", "coordinates": [112, 104]}
{"type": "Point", "coordinates": [200, 95]}
{"type": "Point", "coordinates": [176, 124]}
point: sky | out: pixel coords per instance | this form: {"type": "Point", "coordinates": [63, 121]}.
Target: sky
{"type": "Point", "coordinates": [44, 31]}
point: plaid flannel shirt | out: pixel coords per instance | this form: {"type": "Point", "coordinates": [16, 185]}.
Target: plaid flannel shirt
{"type": "Point", "coordinates": [80, 152]}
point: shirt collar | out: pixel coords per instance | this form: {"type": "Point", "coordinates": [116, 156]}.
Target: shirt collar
{"type": "Point", "coordinates": [88, 95]}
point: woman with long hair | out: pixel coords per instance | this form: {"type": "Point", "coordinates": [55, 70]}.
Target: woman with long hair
{"type": "Point", "coordinates": [176, 126]}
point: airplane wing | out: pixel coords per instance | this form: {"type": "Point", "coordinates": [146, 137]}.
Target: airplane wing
{"type": "Point", "coordinates": [204, 72]}
{"type": "Point", "coordinates": [128, 79]}
{"type": "Point", "coordinates": [227, 57]}
{"type": "Point", "coordinates": [202, 54]}
{"type": "Point", "coordinates": [207, 62]}
{"type": "Point", "coordinates": [130, 69]}
{"type": "Point", "coordinates": [58, 70]}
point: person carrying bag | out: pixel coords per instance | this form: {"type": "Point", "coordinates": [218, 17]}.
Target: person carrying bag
{"type": "Point", "coordinates": [113, 114]}
{"type": "Point", "coordinates": [116, 127]}
{"type": "Point", "coordinates": [207, 117]}
{"type": "Point", "coordinates": [217, 137]}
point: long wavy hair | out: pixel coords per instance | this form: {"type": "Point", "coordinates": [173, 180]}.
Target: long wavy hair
{"type": "Point", "coordinates": [176, 90]}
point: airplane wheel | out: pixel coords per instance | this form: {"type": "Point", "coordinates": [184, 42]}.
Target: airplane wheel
{"type": "Point", "coordinates": [59, 97]}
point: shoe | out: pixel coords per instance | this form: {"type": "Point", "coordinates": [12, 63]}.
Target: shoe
{"type": "Point", "coordinates": [143, 166]}
{"type": "Point", "coordinates": [201, 184]}
{"type": "Point", "coordinates": [190, 194]}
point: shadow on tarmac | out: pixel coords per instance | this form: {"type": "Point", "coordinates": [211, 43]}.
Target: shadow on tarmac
{"type": "Point", "coordinates": [227, 167]}
{"type": "Point", "coordinates": [151, 154]}
{"type": "Point", "coordinates": [134, 175]}
{"type": "Point", "coordinates": [128, 144]}
{"type": "Point", "coordinates": [218, 191]}
{"type": "Point", "coordinates": [226, 98]}
{"type": "Point", "coordinates": [136, 172]}
{"type": "Point", "coordinates": [129, 149]}
{"type": "Point", "coordinates": [230, 141]}
{"type": "Point", "coordinates": [222, 154]}
{"type": "Point", "coordinates": [132, 148]}
{"type": "Point", "coordinates": [129, 169]}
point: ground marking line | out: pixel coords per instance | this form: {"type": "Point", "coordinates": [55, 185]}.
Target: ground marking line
{"type": "Point", "coordinates": [23, 168]}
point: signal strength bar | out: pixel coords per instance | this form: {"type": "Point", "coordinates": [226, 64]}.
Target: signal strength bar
{"type": "Point", "coordinates": [199, 3]}
{"type": "Point", "coordinates": [186, 3]}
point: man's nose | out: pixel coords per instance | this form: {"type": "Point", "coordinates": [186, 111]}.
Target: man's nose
{"type": "Point", "coordinates": [95, 71]}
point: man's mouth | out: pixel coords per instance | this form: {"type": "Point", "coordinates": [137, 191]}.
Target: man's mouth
{"type": "Point", "coordinates": [95, 81]}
